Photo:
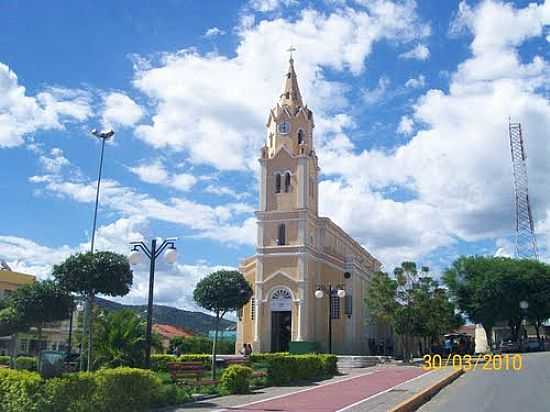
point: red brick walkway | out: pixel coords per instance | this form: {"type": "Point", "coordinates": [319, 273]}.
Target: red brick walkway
{"type": "Point", "coordinates": [337, 395]}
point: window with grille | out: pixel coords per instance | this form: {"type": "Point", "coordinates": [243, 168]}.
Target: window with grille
{"type": "Point", "coordinates": [252, 308]}
{"type": "Point", "coordinates": [335, 310]}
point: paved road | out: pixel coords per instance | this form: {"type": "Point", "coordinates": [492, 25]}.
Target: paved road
{"type": "Point", "coordinates": [371, 389]}
{"type": "Point", "coordinates": [337, 396]}
{"type": "Point", "coordinates": [488, 391]}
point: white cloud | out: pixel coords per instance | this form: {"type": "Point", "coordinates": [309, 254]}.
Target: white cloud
{"type": "Point", "coordinates": [55, 161]}
{"type": "Point", "coordinates": [456, 170]}
{"type": "Point", "coordinates": [406, 125]}
{"type": "Point", "coordinates": [375, 95]}
{"type": "Point", "coordinates": [212, 222]}
{"type": "Point", "coordinates": [420, 52]}
{"type": "Point", "coordinates": [219, 117]}
{"type": "Point", "coordinates": [213, 32]}
{"type": "Point", "coordinates": [27, 256]}
{"type": "Point", "coordinates": [416, 83]}
{"type": "Point", "coordinates": [218, 190]}
{"type": "Point", "coordinates": [120, 110]}
{"type": "Point", "coordinates": [265, 6]}
{"type": "Point", "coordinates": [156, 173]}
{"type": "Point", "coordinates": [22, 115]}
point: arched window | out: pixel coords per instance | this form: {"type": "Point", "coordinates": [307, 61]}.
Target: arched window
{"type": "Point", "coordinates": [281, 240]}
{"type": "Point", "coordinates": [287, 182]}
{"type": "Point", "coordinates": [277, 183]}
{"type": "Point", "coordinates": [300, 136]}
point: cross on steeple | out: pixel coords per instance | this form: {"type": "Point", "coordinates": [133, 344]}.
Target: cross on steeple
{"type": "Point", "coordinates": [290, 50]}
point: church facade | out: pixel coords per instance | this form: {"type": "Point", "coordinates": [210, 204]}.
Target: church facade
{"type": "Point", "coordinates": [298, 252]}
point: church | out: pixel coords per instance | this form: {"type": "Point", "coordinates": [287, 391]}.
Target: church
{"type": "Point", "coordinates": [309, 277]}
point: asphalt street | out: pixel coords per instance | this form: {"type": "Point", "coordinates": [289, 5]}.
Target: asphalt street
{"type": "Point", "coordinates": [503, 391]}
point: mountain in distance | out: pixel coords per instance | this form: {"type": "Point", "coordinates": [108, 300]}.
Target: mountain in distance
{"type": "Point", "coordinates": [197, 322]}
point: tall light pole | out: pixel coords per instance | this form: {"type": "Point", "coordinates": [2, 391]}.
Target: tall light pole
{"type": "Point", "coordinates": [330, 291]}
{"type": "Point", "coordinates": [87, 363]}
{"type": "Point", "coordinates": [152, 253]}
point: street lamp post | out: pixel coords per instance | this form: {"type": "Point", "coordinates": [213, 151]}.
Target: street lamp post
{"type": "Point", "coordinates": [79, 308]}
{"type": "Point", "coordinates": [523, 305]}
{"type": "Point", "coordinates": [152, 253]}
{"type": "Point", "coordinates": [87, 361]}
{"type": "Point", "coordinates": [329, 291]}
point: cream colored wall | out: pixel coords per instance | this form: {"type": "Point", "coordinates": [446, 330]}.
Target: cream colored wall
{"type": "Point", "coordinates": [286, 264]}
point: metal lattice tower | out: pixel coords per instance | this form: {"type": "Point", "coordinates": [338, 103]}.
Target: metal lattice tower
{"type": "Point", "coordinates": [526, 242]}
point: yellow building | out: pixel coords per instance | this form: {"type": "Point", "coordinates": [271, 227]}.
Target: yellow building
{"type": "Point", "coordinates": [298, 251]}
{"type": "Point", "coordinates": [9, 280]}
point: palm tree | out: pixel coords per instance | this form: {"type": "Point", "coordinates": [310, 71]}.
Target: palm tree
{"type": "Point", "coordinates": [120, 338]}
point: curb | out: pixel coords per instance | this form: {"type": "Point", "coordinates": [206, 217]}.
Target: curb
{"type": "Point", "coordinates": [419, 399]}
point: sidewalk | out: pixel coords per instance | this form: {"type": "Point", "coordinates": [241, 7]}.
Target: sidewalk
{"type": "Point", "coordinates": [373, 389]}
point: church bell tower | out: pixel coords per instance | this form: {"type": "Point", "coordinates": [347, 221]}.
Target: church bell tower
{"type": "Point", "coordinates": [288, 160]}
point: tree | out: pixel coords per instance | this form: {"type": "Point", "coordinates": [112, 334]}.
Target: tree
{"type": "Point", "coordinates": [34, 305]}
{"type": "Point", "coordinates": [40, 302]}
{"type": "Point", "coordinates": [489, 289]}
{"type": "Point", "coordinates": [120, 339]}
{"type": "Point", "coordinates": [221, 292]}
{"type": "Point", "coordinates": [413, 305]}
{"type": "Point", "coordinates": [88, 274]}
{"type": "Point", "coordinates": [473, 284]}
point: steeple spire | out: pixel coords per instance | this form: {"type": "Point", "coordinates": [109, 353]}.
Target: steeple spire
{"type": "Point", "coordinates": [291, 96]}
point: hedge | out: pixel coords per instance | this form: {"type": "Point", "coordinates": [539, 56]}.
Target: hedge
{"type": "Point", "coordinates": [26, 362]}
{"type": "Point", "coordinates": [121, 390]}
{"type": "Point", "coordinates": [5, 360]}
{"type": "Point", "coordinates": [283, 369]}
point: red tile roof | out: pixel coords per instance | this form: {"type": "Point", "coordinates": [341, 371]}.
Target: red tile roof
{"type": "Point", "coordinates": [171, 331]}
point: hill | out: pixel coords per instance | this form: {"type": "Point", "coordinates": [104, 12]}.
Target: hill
{"type": "Point", "coordinates": [197, 322]}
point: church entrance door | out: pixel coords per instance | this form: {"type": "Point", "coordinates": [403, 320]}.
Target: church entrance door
{"type": "Point", "coordinates": [281, 325]}
{"type": "Point", "coordinates": [281, 320]}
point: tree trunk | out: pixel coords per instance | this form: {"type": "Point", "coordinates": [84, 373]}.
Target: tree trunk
{"type": "Point", "coordinates": [214, 346]}
{"type": "Point", "coordinates": [489, 333]}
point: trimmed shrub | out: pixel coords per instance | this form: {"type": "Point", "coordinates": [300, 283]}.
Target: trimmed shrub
{"type": "Point", "coordinates": [73, 392]}
{"type": "Point", "coordinates": [21, 391]}
{"type": "Point", "coordinates": [26, 362]}
{"type": "Point", "coordinates": [236, 379]}
{"type": "Point", "coordinates": [4, 360]}
{"type": "Point", "coordinates": [121, 390]}
{"type": "Point", "coordinates": [125, 389]}
{"type": "Point", "coordinates": [283, 369]}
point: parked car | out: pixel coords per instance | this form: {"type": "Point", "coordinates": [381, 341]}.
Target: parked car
{"type": "Point", "coordinates": [533, 345]}
{"type": "Point", "coordinates": [509, 346]}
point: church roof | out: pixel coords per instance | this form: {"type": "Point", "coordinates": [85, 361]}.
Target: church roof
{"type": "Point", "coordinates": [291, 96]}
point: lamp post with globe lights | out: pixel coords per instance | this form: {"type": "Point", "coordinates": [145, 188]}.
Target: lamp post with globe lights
{"type": "Point", "coordinates": [168, 246]}
{"type": "Point", "coordinates": [330, 291]}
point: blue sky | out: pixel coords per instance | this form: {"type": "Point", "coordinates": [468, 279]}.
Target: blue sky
{"type": "Point", "coordinates": [411, 102]}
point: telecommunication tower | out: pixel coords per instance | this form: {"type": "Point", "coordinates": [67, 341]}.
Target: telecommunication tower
{"type": "Point", "coordinates": [526, 242]}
